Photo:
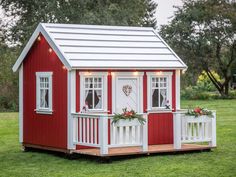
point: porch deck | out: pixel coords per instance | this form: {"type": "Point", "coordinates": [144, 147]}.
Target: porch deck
{"type": "Point", "coordinates": [152, 149]}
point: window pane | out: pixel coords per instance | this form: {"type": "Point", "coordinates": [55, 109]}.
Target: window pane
{"type": "Point", "coordinates": [98, 99]}
{"type": "Point", "coordinates": [46, 91]}
{"type": "Point", "coordinates": [44, 98]}
{"type": "Point", "coordinates": [155, 98]}
{"type": "Point", "coordinates": [93, 92]}
{"type": "Point", "coordinates": [42, 102]}
{"type": "Point", "coordinates": [89, 98]}
{"type": "Point", "coordinates": [163, 97]}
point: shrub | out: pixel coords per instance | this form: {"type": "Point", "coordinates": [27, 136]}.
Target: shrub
{"type": "Point", "coordinates": [7, 104]}
{"type": "Point", "coordinates": [193, 93]}
{"type": "Point", "coordinates": [204, 83]}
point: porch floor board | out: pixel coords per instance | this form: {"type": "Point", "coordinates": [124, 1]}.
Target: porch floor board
{"type": "Point", "coordinates": [138, 150]}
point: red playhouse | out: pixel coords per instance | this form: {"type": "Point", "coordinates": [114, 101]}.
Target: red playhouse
{"type": "Point", "coordinates": [74, 79]}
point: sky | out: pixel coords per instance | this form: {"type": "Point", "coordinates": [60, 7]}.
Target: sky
{"type": "Point", "coordinates": [164, 12]}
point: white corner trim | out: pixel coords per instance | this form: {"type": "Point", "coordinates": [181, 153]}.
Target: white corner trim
{"type": "Point", "coordinates": [21, 104]}
{"type": "Point", "coordinates": [169, 85]}
{"type": "Point", "coordinates": [71, 106]}
{"type": "Point", "coordinates": [177, 87]}
{"type": "Point", "coordinates": [104, 92]}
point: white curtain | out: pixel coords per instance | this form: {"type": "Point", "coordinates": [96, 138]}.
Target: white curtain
{"type": "Point", "coordinates": [87, 91]}
{"type": "Point", "coordinates": [163, 94]}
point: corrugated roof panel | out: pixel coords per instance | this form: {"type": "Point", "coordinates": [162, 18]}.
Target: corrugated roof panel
{"type": "Point", "coordinates": [94, 46]}
{"type": "Point", "coordinates": [115, 50]}
{"type": "Point", "coordinates": [124, 44]}
{"type": "Point", "coordinates": [121, 57]}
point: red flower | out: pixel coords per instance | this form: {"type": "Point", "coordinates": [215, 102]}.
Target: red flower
{"type": "Point", "coordinates": [198, 110]}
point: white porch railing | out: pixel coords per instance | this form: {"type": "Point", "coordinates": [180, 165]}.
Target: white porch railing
{"type": "Point", "coordinates": [190, 129]}
{"type": "Point", "coordinates": [92, 130]}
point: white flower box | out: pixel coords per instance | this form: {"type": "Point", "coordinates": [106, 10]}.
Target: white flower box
{"type": "Point", "coordinates": [193, 119]}
{"type": "Point", "coordinates": [127, 122]}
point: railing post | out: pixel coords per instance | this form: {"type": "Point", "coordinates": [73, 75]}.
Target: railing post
{"type": "Point", "coordinates": [75, 129]}
{"type": "Point", "coordinates": [212, 143]}
{"type": "Point", "coordinates": [145, 134]}
{"type": "Point", "coordinates": [103, 135]}
{"type": "Point", "coordinates": [177, 130]}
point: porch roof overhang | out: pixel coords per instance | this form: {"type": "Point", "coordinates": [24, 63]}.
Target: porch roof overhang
{"type": "Point", "coordinates": [105, 47]}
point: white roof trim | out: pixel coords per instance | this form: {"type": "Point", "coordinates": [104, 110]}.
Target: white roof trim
{"type": "Point", "coordinates": [28, 46]}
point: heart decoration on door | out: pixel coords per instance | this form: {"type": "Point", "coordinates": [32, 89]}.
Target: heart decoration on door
{"type": "Point", "coordinates": [127, 89]}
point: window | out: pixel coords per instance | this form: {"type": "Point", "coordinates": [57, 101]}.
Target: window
{"type": "Point", "coordinates": [93, 91]}
{"type": "Point", "coordinates": [159, 90]}
{"type": "Point", "coordinates": [44, 92]}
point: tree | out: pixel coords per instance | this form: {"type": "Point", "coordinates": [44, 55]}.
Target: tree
{"type": "Point", "coordinates": [203, 34]}
{"type": "Point", "coordinates": [106, 12]}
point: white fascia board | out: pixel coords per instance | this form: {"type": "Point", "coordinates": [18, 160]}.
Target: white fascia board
{"type": "Point", "coordinates": [162, 40]}
{"type": "Point", "coordinates": [40, 29]}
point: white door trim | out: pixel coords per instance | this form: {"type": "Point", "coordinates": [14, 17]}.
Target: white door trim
{"type": "Point", "coordinates": [116, 76]}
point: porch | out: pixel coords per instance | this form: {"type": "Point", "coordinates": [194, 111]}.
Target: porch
{"type": "Point", "coordinates": [131, 137]}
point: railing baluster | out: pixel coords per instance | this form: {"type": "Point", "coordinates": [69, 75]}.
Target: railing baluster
{"type": "Point", "coordinates": [84, 130]}
{"type": "Point", "coordinates": [138, 134]}
{"type": "Point", "coordinates": [91, 134]}
{"type": "Point", "coordinates": [95, 131]}
{"type": "Point", "coordinates": [80, 129]}
{"type": "Point", "coordinates": [126, 135]}
{"type": "Point", "coordinates": [133, 134]}
{"type": "Point", "coordinates": [121, 135]}
{"type": "Point", "coordinates": [87, 133]}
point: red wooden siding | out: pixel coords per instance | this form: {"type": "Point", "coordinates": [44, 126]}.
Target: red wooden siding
{"type": "Point", "coordinates": [160, 128]}
{"type": "Point", "coordinates": [43, 129]}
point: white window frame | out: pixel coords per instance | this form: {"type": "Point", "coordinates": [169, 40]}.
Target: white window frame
{"type": "Point", "coordinates": [38, 108]}
{"type": "Point", "coordinates": [150, 75]}
{"type": "Point", "coordinates": [103, 75]}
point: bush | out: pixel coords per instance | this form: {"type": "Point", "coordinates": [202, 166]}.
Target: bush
{"type": "Point", "coordinates": [194, 93]}
{"type": "Point", "coordinates": [7, 104]}
{"type": "Point", "coordinates": [205, 84]}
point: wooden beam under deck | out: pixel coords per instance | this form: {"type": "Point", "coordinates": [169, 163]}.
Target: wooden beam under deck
{"type": "Point", "coordinates": [138, 150]}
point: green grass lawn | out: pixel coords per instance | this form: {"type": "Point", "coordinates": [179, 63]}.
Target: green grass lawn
{"type": "Point", "coordinates": [219, 162]}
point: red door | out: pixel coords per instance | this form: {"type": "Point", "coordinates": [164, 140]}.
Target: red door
{"type": "Point", "coordinates": [160, 128]}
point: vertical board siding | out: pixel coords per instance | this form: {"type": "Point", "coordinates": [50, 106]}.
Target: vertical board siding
{"type": "Point", "coordinates": [160, 128]}
{"type": "Point", "coordinates": [44, 129]}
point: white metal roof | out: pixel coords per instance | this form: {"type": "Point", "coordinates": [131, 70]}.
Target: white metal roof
{"type": "Point", "coordinates": [103, 47]}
